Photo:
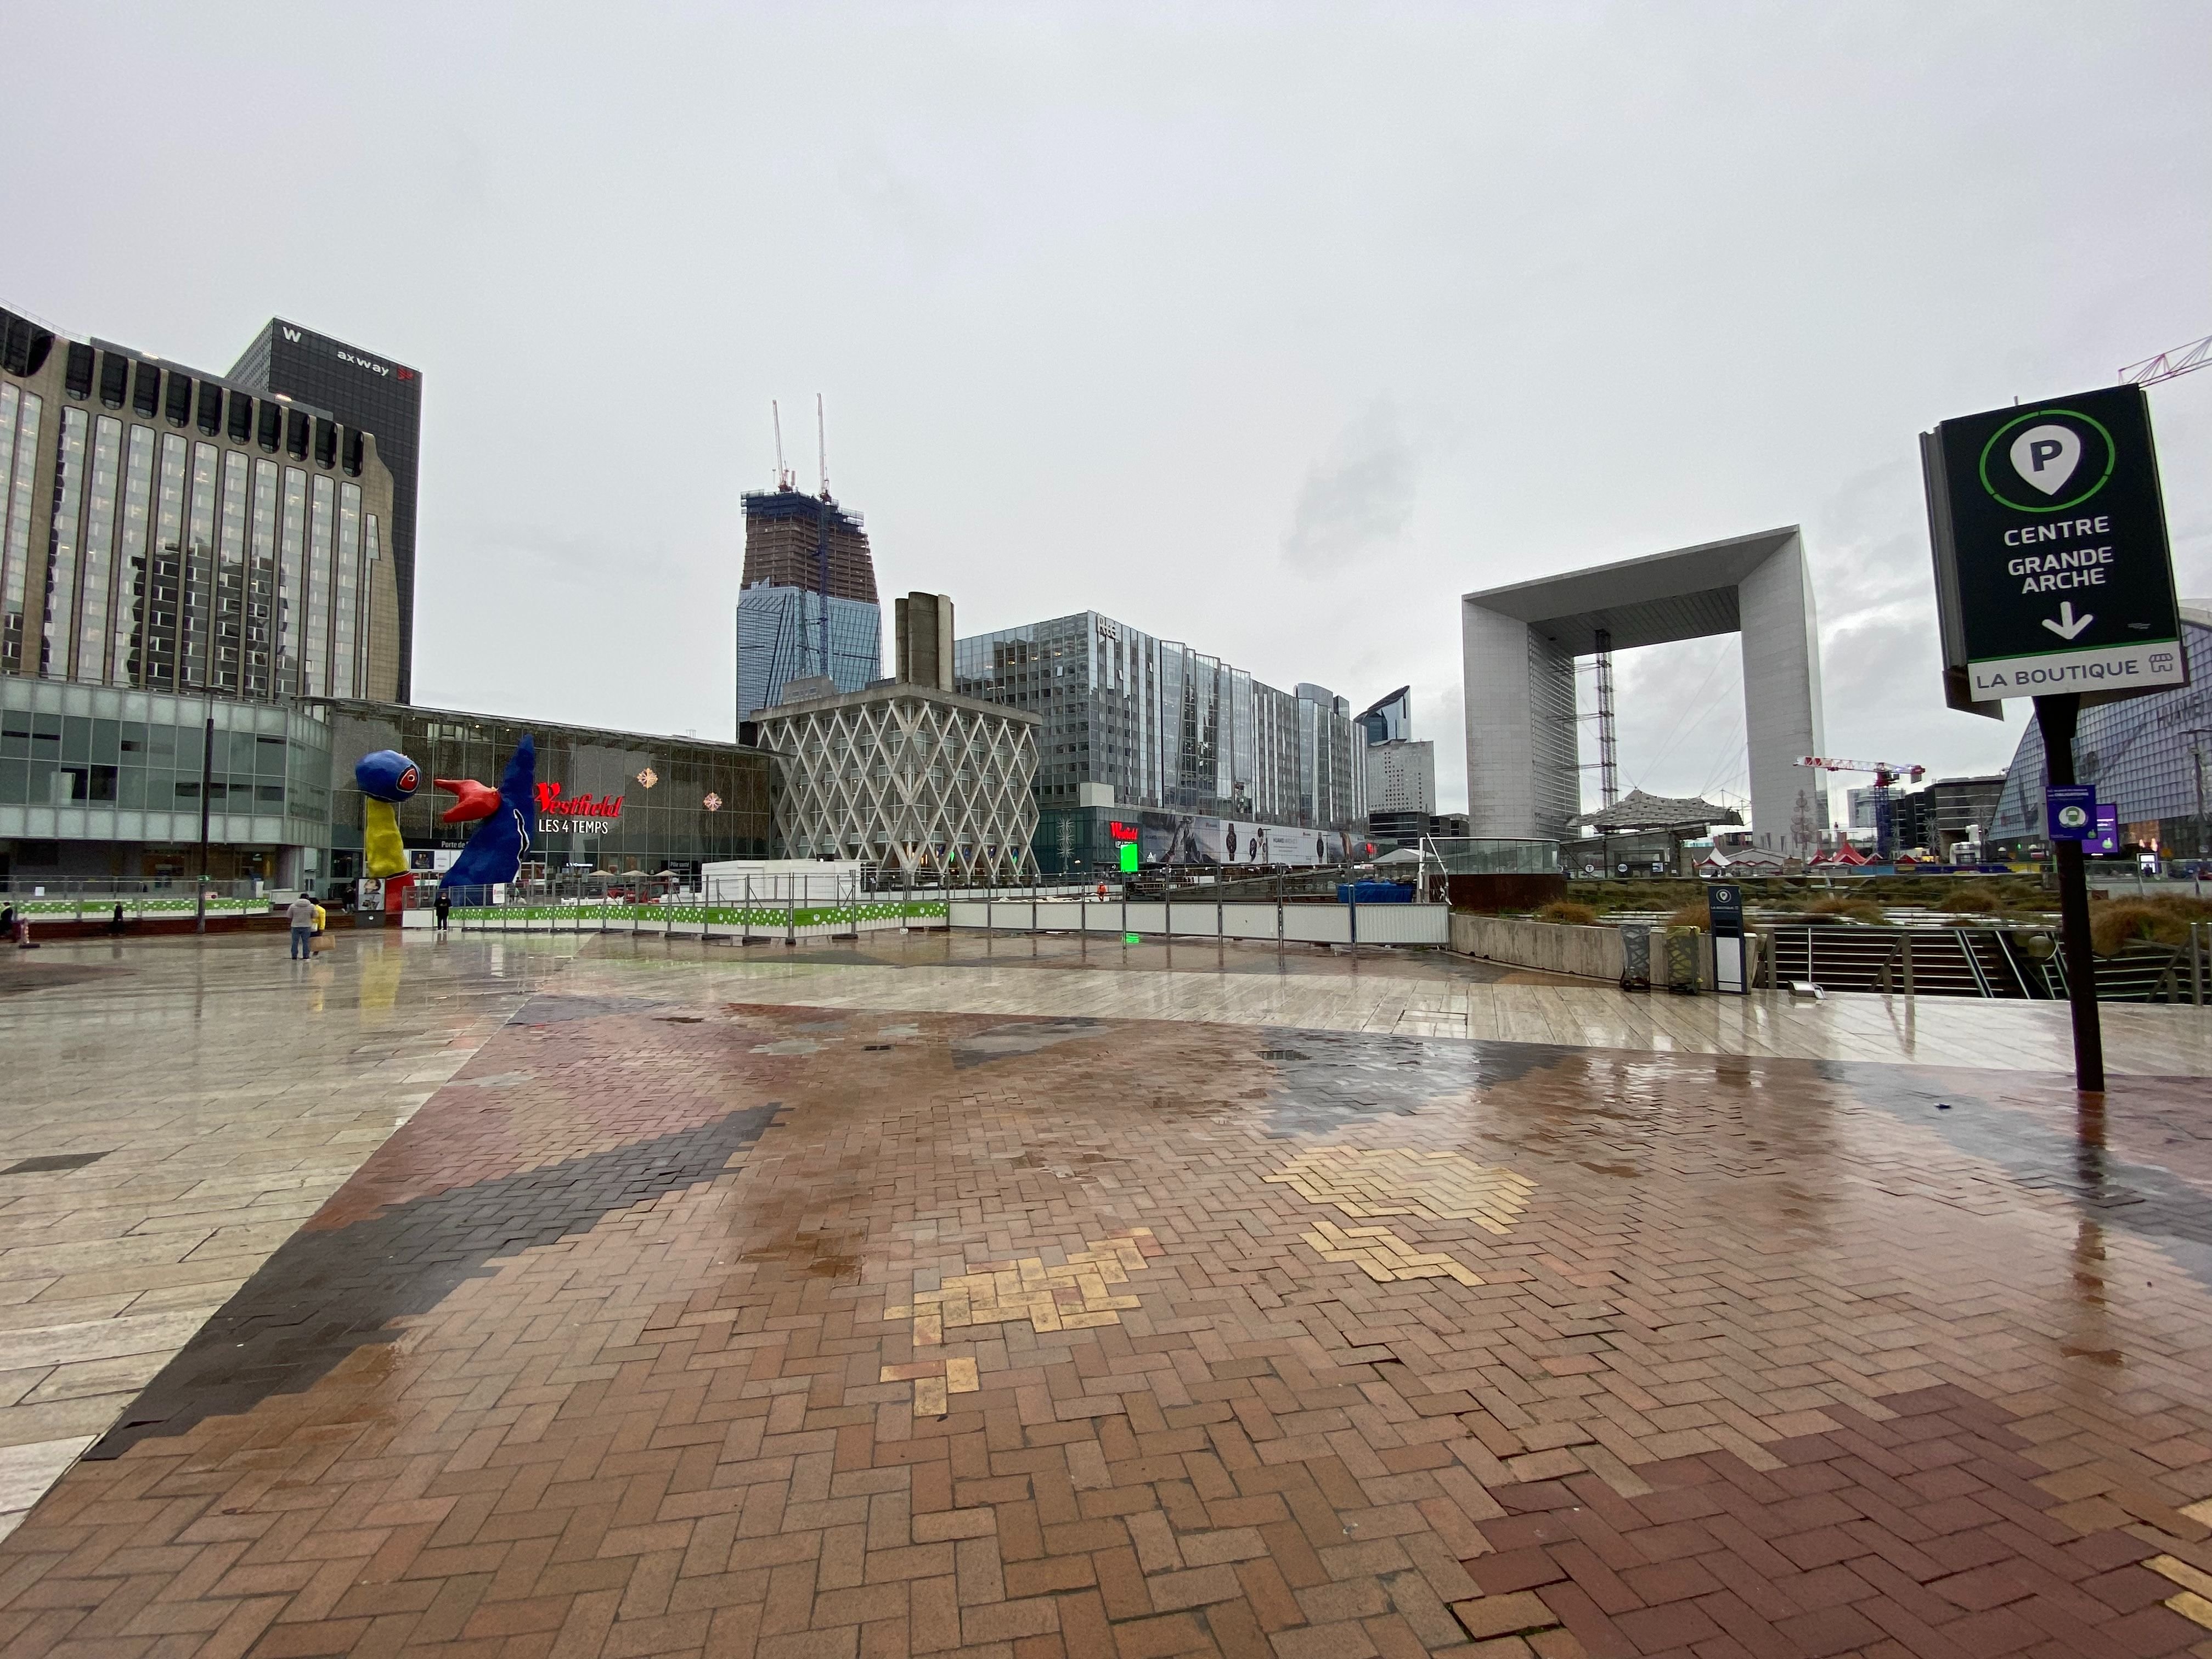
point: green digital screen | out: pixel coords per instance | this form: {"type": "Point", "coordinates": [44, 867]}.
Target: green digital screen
{"type": "Point", "coordinates": [1128, 858]}
{"type": "Point", "coordinates": [1131, 938]}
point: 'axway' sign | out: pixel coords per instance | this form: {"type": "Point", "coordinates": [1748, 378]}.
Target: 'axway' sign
{"type": "Point", "coordinates": [2052, 571]}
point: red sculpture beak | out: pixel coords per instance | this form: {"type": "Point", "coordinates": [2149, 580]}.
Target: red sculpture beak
{"type": "Point", "coordinates": [472, 800]}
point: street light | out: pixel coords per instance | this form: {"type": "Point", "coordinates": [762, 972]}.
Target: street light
{"type": "Point", "coordinates": [2197, 755]}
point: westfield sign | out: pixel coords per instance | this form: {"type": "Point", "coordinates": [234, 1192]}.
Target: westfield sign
{"type": "Point", "coordinates": [551, 803]}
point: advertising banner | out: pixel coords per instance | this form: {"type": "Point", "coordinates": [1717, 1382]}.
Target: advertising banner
{"type": "Point", "coordinates": [2071, 810]}
{"type": "Point", "coordinates": [1175, 838]}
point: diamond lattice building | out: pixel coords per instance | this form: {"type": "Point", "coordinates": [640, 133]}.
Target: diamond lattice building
{"type": "Point", "coordinates": [918, 781]}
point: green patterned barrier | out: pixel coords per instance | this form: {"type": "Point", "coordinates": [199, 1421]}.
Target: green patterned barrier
{"type": "Point", "coordinates": [762, 917]}
{"type": "Point", "coordinates": [95, 908]}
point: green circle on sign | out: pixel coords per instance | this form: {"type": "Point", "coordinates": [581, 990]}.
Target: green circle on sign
{"type": "Point", "coordinates": [2112, 458]}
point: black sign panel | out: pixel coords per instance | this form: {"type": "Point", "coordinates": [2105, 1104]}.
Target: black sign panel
{"type": "Point", "coordinates": [2051, 564]}
{"type": "Point", "coordinates": [1724, 908]}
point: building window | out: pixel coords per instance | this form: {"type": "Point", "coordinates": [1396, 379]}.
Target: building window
{"type": "Point", "coordinates": [353, 448]}
{"type": "Point", "coordinates": [76, 373]}
{"type": "Point", "coordinates": [101, 518]}
{"type": "Point", "coordinates": [295, 434]}
{"type": "Point", "coordinates": [23, 344]}
{"type": "Point", "coordinates": [326, 443]}
{"type": "Point", "coordinates": [146, 391]}
{"type": "Point", "coordinates": [115, 380]}
{"type": "Point", "coordinates": [179, 406]}
{"type": "Point", "coordinates": [210, 408]}
{"type": "Point", "coordinates": [62, 542]}
{"type": "Point", "coordinates": [241, 417]}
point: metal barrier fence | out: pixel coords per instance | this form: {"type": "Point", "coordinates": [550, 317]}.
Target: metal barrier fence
{"type": "Point", "coordinates": [1213, 919]}
{"type": "Point", "coordinates": [1998, 962]}
{"type": "Point", "coordinates": [79, 901]}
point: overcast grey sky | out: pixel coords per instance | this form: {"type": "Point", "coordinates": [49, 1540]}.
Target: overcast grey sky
{"type": "Point", "coordinates": [1272, 329]}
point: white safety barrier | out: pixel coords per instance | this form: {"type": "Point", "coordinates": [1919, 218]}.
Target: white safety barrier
{"type": "Point", "coordinates": [1236, 919]}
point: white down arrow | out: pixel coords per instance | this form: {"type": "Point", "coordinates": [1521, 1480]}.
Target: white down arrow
{"type": "Point", "coordinates": [2068, 624]}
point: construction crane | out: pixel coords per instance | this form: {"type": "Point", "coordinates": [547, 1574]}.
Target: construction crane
{"type": "Point", "coordinates": [1886, 775]}
{"type": "Point", "coordinates": [822, 528]}
{"type": "Point", "coordinates": [2181, 359]}
{"type": "Point", "coordinates": [784, 479]}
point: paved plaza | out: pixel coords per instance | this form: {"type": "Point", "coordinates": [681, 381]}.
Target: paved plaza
{"type": "Point", "coordinates": [535, 1295]}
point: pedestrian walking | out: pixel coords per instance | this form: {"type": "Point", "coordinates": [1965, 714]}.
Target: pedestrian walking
{"type": "Point", "coordinates": [445, 907]}
{"type": "Point", "coordinates": [303, 915]}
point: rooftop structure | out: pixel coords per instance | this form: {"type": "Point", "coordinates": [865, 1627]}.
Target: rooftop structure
{"type": "Point", "coordinates": [1638, 811]}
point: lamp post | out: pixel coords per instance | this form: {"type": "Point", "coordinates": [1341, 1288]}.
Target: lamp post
{"type": "Point", "coordinates": [2196, 755]}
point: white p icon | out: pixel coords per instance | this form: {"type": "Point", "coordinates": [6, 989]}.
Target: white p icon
{"type": "Point", "coordinates": [2046, 456]}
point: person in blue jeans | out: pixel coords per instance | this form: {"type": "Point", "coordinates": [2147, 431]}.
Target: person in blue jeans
{"type": "Point", "coordinates": [301, 916]}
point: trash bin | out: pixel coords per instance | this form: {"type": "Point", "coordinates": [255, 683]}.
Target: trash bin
{"type": "Point", "coordinates": [1683, 948]}
{"type": "Point", "coordinates": [1636, 956]}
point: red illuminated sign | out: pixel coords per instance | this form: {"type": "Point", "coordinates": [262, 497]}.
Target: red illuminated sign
{"type": "Point", "coordinates": [552, 804]}
{"type": "Point", "coordinates": [1123, 831]}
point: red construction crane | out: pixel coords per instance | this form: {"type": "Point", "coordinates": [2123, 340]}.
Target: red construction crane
{"type": "Point", "coordinates": [1886, 773]}
{"type": "Point", "coordinates": [2181, 359]}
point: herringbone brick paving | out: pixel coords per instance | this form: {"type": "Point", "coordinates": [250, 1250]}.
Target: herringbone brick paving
{"type": "Point", "coordinates": [1769, 1358]}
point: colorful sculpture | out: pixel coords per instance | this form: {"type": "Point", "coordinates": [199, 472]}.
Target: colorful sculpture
{"type": "Point", "coordinates": [385, 779]}
{"type": "Point", "coordinates": [506, 821]}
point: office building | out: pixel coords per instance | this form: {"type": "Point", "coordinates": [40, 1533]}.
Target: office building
{"type": "Point", "coordinates": [925, 783]}
{"type": "Point", "coordinates": [1401, 776]}
{"type": "Point", "coordinates": [364, 392]}
{"type": "Point", "coordinates": [1389, 718]}
{"type": "Point", "coordinates": [2149, 758]}
{"type": "Point", "coordinates": [1401, 788]}
{"type": "Point", "coordinates": [1128, 722]}
{"type": "Point", "coordinates": [806, 608]}
{"type": "Point", "coordinates": [177, 548]}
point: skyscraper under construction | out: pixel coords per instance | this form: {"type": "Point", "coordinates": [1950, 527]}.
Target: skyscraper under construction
{"type": "Point", "coordinates": [807, 609]}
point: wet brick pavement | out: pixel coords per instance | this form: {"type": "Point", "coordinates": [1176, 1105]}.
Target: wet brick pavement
{"type": "Point", "coordinates": [667, 1326]}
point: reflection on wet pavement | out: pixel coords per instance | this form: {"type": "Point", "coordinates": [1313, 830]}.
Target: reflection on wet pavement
{"type": "Point", "coordinates": [633, 1315]}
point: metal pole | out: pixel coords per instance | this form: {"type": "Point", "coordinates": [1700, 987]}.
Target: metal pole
{"type": "Point", "coordinates": [2058, 716]}
{"type": "Point", "coordinates": [207, 780]}
{"type": "Point", "coordinates": [2196, 871]}
{"type": "Point", "coordinates": [1908, 967]}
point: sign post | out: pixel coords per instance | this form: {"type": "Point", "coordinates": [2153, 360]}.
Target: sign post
{"type": "Point", "coordinates": [1724, 913]}
{"type": "Point", "coordinates": [2054, 580]}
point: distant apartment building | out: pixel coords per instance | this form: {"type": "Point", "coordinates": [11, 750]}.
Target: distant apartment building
{"type": "Point", "coordinates": [807, 607]}
{"type": "Point", "coordinates": [1145, 737]}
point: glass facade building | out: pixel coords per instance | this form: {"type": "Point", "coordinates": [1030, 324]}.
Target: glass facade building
{"type": "Point", "coordinates": [161, 529]}
{"type": "Point", "coordinates": [780, 639]}
{"type": "Point", "coordinates": [101, 784]}
{"type": "Point", "coordinates": [807, 605]}
{"type": "Point", "coordinates": [368, 392]}
{"type": "Point", "coordinates": [1127, 720]}
{"type": "Point", "coordinates": [607, 800]}
{"type": "Point", "coordinates": [2148, 757]}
